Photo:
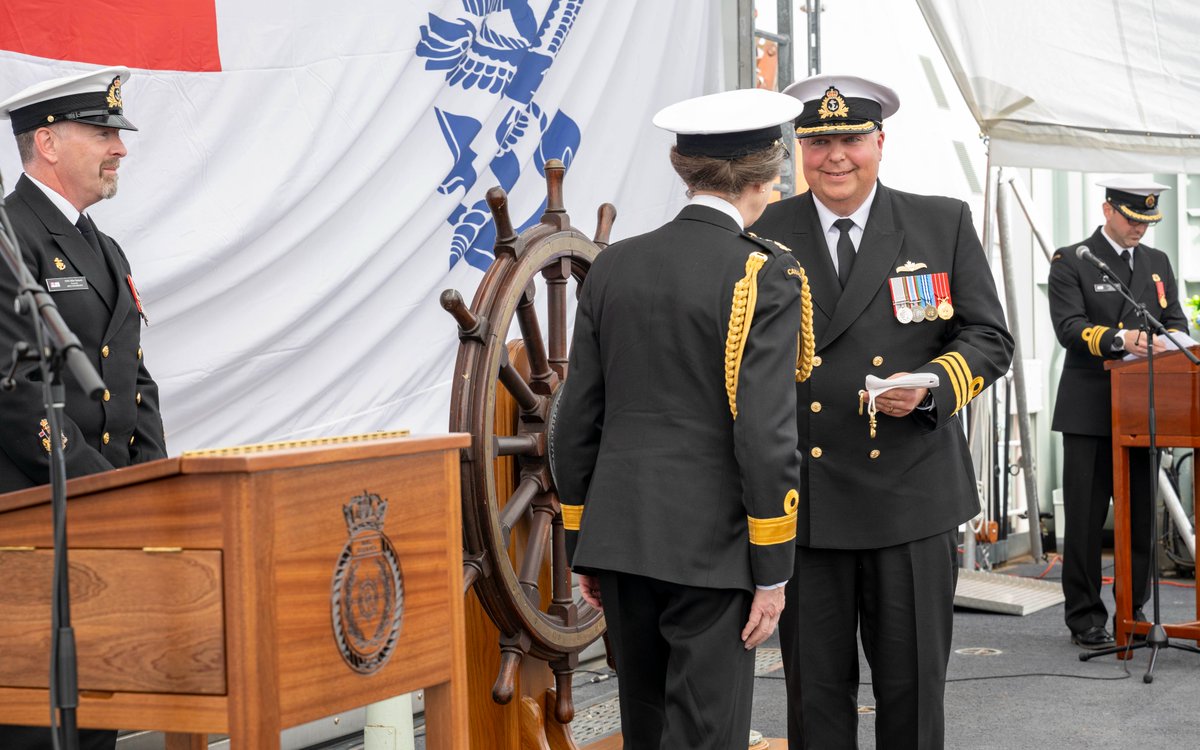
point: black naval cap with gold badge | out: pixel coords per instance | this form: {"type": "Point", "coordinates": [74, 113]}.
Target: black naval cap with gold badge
{"type": "Point", "coordinates": [93, 97]}
{"type": "Point", "coordinates": [728, 125]}
{"type": "Point", "coordinates": [838, 105]}
{"type": "Point", "coordinates": [1136, 198]}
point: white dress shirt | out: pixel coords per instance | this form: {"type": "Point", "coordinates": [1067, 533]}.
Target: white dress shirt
{"type": "Point", "coordinates": [832, 233]}
{"type": "Point", "coordinates": [1117, 248]}
{"type": "Point", "coordinates": [60, 202]}
{"type": "Point", "coordinates": [720, 204]}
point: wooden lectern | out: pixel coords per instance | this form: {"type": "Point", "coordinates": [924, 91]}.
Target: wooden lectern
{"type": "Point", "coordinates": [246, 591]}
{"type": "Point", "coordinates": [1177, 412]}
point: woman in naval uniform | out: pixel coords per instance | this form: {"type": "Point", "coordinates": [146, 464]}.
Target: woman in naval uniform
{"type": "Point", "coordinates": [675, 443]}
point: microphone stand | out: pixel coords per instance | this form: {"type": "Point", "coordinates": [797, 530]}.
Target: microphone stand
{"type": "Point", "coordinates": [56, 346]}
{"type": "Point", "coordinates": [1156, 638]}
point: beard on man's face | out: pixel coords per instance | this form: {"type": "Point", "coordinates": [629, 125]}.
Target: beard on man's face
{"type": "Point", "coordinates": [108, 182]}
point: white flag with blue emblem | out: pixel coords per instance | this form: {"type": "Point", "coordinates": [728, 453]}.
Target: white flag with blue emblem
{"type": "Point", "coordinates": [308, 178]}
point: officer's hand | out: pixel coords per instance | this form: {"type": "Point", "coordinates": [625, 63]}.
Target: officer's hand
{"type": "Point", "coordinates": [764, 616]}
{"type": "Point", "coordinates": [1135, 343]}
{"type": "Point", "coordinates": [899, 402]}
{"type": "Point", "coordinates": [589, 587]}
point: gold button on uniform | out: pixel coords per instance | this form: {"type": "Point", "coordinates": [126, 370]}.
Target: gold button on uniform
{"type": "Point", "coordinates": [877, 361]}
{"type": "Point", "coordinates": [817, 361]}
{"type": "Point", "coordinates": [105, 438]}
{"type": "Point", "coordinates": [816, 406]}
{"type": "Point", "coordinates": [131, 439]}
{"type": "Point", "coordinates": [104, 351]}
{"type": "Point", "coordinates": [107, 395]}
{"type": "Point", "coordinates": [139, 352]}
{"type": "Point", "coordinates": [816, 452]}
{"type": "Point", "coordinates": [875, 454]}
{"type": "Point", "coordinates": [139, 397]}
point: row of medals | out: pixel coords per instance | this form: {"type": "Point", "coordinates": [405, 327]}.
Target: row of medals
{"type": "Point", "coordinates": [915, 312]}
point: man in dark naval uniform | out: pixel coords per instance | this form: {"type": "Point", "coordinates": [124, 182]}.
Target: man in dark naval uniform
{"type": "Point", "coordinates": [674, 447]}
{"type": "Point", "coordinates": [68, 136]}
{"type": "Point", "coordinates": [1095, 323]}
{"type": "Point", "coordinates": [900, 285]}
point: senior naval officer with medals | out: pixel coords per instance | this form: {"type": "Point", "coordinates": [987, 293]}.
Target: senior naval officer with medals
{"type": "Point", "coordinates": [1095, 324]}
{"type": "Point", "coordinates": [68, 137]}
{"type": "Point", "coordinates": [900, 285]}
{"type": "Point", "coordinates": [675, 451]}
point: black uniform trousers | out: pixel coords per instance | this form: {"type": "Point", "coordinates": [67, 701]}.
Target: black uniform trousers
{"type": "Point", "coordinates": [1087, 488]}
{"type": "Point", "coordinates": [898, 597]}
{"type": "Point", "coordinates": [38, 738]}
{"type": "Point", "coordinates": [687, 680]}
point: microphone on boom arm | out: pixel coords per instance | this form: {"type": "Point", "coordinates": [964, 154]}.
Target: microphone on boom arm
{"type": "Point", "coordinates": [1083, 253]}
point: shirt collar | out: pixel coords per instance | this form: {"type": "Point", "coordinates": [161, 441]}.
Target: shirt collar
{"type": "Point", "coordinates": [61, 203]}
{"type": "Point", "coordinates": [859, 217]}
{"type": "Point", "coordinates": [1114, 244]}
{"type": "Point", "coordinates": [720, 204]}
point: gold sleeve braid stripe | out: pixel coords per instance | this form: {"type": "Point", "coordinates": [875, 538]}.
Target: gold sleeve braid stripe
{"type": "Point", "coordinates": [741, 315]}
{"type": "Point", "coordinates": [768, 531]}
{"type": "Point", "coordinates": [955, 381]}
{"type": "Point", "coordinates": [1092, 337]}
{"type": "Point", "coordinates": [965, 386]}
{"type": "Point", "coordinates": [572, 515]}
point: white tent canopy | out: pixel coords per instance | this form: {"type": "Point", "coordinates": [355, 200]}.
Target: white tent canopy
{"type": "Point", "coordinates": [1086, 85]}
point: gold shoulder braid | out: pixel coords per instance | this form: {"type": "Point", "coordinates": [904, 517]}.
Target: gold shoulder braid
{"type": "Point", "coordinates": [806, 344]}
{"type": "Point", "coordinates": [741, 314]}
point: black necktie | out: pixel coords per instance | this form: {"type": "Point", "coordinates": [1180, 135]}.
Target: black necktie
{"type": "Point", "coordinates": [845, 250]}
{"type": "Point", "coordinates": [1126, 271]}
{"type": "Point", "coordinates": [84, 225]}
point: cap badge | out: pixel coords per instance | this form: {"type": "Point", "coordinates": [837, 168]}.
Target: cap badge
{"type": "Point", "coordinates": [114, 94]}
{"type": "Point", "coordinates": [1150, 201]}
{"type": "Point", "coordinates": [833, 105]}
{"type": "Point", "coordinates": [58, 263]}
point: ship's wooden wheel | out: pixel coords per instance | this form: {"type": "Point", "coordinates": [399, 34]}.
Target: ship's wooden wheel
{"type": "Point", "coordinates": [509, 580]}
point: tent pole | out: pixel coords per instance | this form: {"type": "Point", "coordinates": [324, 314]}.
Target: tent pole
{"type": "Point", "coordinates": [968, 555]}
{"type": "Point", "coordinates": [1033, 507]}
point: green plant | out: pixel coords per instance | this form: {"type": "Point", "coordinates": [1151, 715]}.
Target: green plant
{"type": "Point", "coordinates": [1193, 309]}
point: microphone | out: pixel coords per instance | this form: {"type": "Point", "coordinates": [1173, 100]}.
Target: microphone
{"type": "Point", "coordinates": [1083, 253]}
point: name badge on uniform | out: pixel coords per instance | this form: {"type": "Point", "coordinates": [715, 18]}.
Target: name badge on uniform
{"type": "Point", "coordinates": [66, 283]}
{"type": "Point", "coordinates": [1105, 288]}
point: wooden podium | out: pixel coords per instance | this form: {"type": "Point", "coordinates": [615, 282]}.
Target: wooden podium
{"type": "Point", "coordinates": [246, 591]}
{"type": "Point", "coordinates": [1177, 412]}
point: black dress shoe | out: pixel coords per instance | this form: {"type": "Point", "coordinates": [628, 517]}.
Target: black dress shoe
{"type": "Point", "coordinates": [1093, 638]}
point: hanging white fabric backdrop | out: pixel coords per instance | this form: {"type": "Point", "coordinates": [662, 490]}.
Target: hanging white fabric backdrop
{"type": "Point", "coordinates": [293, 211]}
{"type": "Point", "coordinates": [1085, 85]}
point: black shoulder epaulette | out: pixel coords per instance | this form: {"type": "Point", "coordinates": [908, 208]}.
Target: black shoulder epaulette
{"type": "Point", "coordinates": [772, 247]}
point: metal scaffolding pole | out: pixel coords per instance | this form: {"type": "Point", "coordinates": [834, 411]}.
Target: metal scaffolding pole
{"type": "Point", "coordinates": [746, 51]}
{"type": "Point", "coordinates": [1026, 203]}
{"type": "Point", "coordinates": [812, 8]}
